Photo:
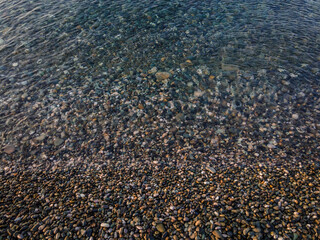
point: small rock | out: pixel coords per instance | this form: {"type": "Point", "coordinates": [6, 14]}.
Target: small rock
{"type": "Point", "coordinates": [140, 106]}
{"type": "Point", "coordinates": [162, 76]}
{"type": "Point", "coordinates": [160, 228]}
{"type": "Point", "coordinates": [153, 70]}
{"type": "Point", "coordinates": [270, 145]}
{"type": "Point", "coordinates": [217, 234]}
{"type": "Point", "coordinates": [105, 225]}
{"type": "Point", "coordinates": [197, 223]}
{"type": "Point", "coordinates": [58, 141]}
{"type": "Point", "coordinates": [41, 137]}
{"type": "Point", "coordinates": [198, 93]}
{"type": "Point", "coordinates": [9, 149]}
{"type": "Point", "coordinates": [211, 169]}
{"type": "Point", "coordinates": [20, 236]}
{"type": "Point", "coordinates": [57, 236]}
{"type": "Point", "coordinates": [257, 230]}
{"type": "Point", "coordinates": [89, 232]}
{"type": "Point", "coordinates": [14, 64]}
{"type": "Point", "coordinates": [295, 116]}
{"type": "Point", "coordinates": [229, 67]}
{"type": "Point", "coordinates": [286, 83]}
{"type": "Point", "coordinates": [24, 96]}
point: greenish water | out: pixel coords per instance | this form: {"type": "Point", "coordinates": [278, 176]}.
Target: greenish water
{"type": "Point", "coordinates": [258, 36]}
{"type": "Point", "coordinates": [72, 72]}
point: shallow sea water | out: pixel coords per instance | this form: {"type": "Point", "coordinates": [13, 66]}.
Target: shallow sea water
{"type": "Point", "coordinates": [43, 37]}
{"type": "Point", "coordinates": [232, 54]}
{"type": "Point", "coordinates": [160, 119]}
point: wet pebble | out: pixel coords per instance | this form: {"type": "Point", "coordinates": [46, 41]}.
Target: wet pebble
{"type": "Point", "coordinates": [9, 149]}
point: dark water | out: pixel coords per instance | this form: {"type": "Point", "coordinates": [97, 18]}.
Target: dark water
{"type": "Point", "coordinates": [238, 53]}
{"type": "Point", "coordinates": [92, 37]}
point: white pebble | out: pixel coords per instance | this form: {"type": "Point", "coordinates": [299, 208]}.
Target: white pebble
{"type": "Point", "coordinates": [104, 225]}
{"type": "Point", "coordinates": [295, 116]}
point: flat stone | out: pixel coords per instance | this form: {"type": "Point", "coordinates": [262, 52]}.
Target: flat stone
{"type": "Point", "coordinates": [211, 169]}
{"type": "Point", "coordinates": [270, 145]}
{"type": "Point", "coordinates": [198, 93]}
{"type": "Point", "coordinates": [105, 225]}
{"type": "Point", "coordinates": [160, 228]}
{"type": "Point", "coordinates": [295, 116]}
{"type": "Point", "coordinates": [41, 137]}
{"type": "Point", "coordinates": [217, 234]}
{"type": "Point", "coordinates": [197, 223]}
{"type": "Point", "coordinates": [162, 75]}
{"type": "Point", "coordinates": [9, 149]}
{"type": "Point", "coordinates": [58, 141]}
{"type": "Point", "coordinates": [229, 67]}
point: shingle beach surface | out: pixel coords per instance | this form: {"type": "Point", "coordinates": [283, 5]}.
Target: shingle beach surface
{"type": "Point", "coordinates": [159, 120]}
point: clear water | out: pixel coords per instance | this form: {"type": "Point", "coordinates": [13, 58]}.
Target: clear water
{"type": "Point", "coordinates": [232, 55]}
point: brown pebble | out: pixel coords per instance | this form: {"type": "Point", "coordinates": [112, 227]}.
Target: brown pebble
{"type": "Point", "coordinates": [197, 223]}
{"type": "Point", "coordinates": [217, 234]}
{"type": "Point", "coordinates": [9, 149]}
{"type": "Point", "coordinates": [140, 106]}
{"type": "Point", "coordinates": [160, 227]}
{"type": "Point", "coordinates": [162, 75]}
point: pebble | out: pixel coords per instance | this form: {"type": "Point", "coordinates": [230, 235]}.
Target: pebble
{"type": "Point", "coordinates": [20, 236]}
{"type": "Point", "coordinates": [160, 228]}
{"type": "Point", "coordinates": [211, 169]}
{"type": "Point", "coordinates": [162, 76]}
{"type": "Point", "coordinates": [41, 137]}
{"type": "Point", "coordinates": [58, 141]}
{"type": "Point", "coordinates": [198, 93]}
{"type": "Point", "coordinates": [229, 67]}
{"type": "Point", "coordinates": [9, 149]}
{"type": "Point", "coordinates": [295, 116]}
{"type": "Point", "coordinates": [197, 223]}
{"type": "Point", "coordinates": [105, 225]}
{"type": "Point", "coordinates": [153, 70]}
{"type": "Point", "coordinates": [217, 234]}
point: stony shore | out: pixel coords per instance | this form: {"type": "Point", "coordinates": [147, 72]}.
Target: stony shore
{"type": "Point", "coordinates": [163, 200]}
{"type": "Point", "coordinates": [142, 162]}
{"type": "Point", "coordinates": [160, 120]}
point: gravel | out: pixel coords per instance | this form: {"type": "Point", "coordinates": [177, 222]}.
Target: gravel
{"type": "Point", "coordinates": [159, 120]}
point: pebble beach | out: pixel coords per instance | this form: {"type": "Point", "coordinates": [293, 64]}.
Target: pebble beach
{"type": "Point", "coordinates": [159, 120]}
